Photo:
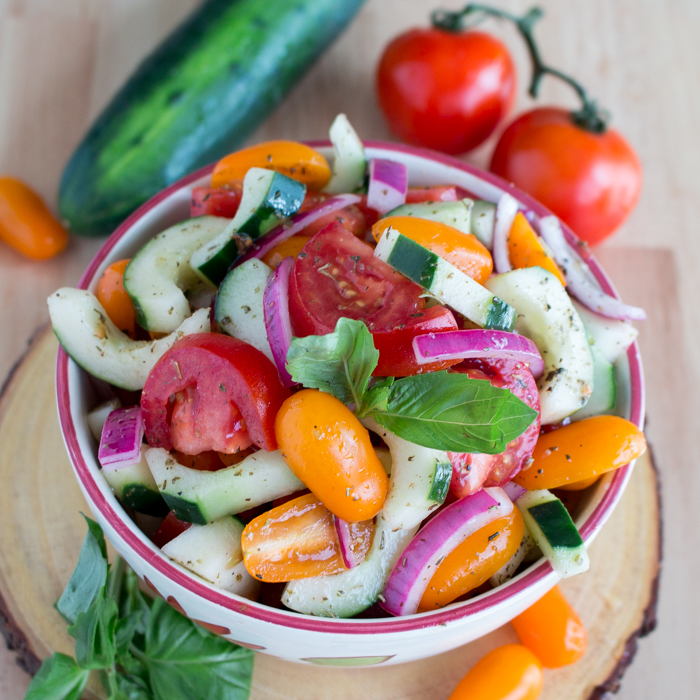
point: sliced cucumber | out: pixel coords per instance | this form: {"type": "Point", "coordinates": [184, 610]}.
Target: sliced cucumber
{"type": "Point", "coordinates": [554, 532]}
{"type": "Point", "coordinates": [604, 394]}
{"type": "Point", "coordinates": [97, 418]}
{"type": "Point", "coordinates": [268, 198]}
{"type": "Point", "coordinates": [419, 482]}
{"type": "Point", "coordinates": [444, 281]}
{"type": "Point", "coordinates": [547, 316]}
{"type": "Point", "coordinates": [100, 348]}
{"type": "Point", "coordinates": [483, 220]}
{"type": "Point", "coordinates": [455, 214]}
{"type": "Point", "coordinates": [349, 163]}
{"type": "Point", "coordinates": [612, 337]}
{"type": "Point", "coordinates": [135, 486]}
{"type": "Point", "coordinates": [202, 497]}
{"type": "Point", "coordinates": [159, 274]}
{"type": "Point", "coordinates": [214, 552]}
{"type": "Point", "coordinates": [239, 304]}
{"type": "Point", "coordinates": [507, 571]}
{"type": "Point", "coordinates": [351, 592]}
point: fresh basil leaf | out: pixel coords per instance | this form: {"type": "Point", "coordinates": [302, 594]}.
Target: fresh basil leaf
{"type": "Point", "coordinates": [59, 678]}
{"type": "Point", "coordinates": [133, 600]}
{"type": "Point", "coordinates": [186, 662]}
{"type": "Point", "coordinates": [376, 397]}
{"type": "Point", "coordinates": [123, 687]}
{"type": "Point", "coordinates": [89, 575]}
{"type": "Point", "coordinates": [339, 363]}
{"type": "Point", "coordinates": [125, 631]}
{"type": "Point", "coordinates": [94, 634]}
{"type": "Point", "coordinates": [450, 411]}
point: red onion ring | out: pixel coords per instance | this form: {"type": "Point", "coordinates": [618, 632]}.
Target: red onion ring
{"type": "Point", "coordinates": [278, 323]}
{"type": "Point", "coordinates": [388, 184]}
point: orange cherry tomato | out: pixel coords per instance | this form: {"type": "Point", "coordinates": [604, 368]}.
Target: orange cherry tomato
{"type": "Point", "coordinates": [582, 450]}
{"type": "Point", "coordinates": [579, 485]}
{"type": "Point", "coordinates": [295, 540]}
{"type": "Point", "coordinates": [290, 158]}
{"type": "Point", "coordinates": [511, 672]}
{"type": "Point", "coordinates": [286, 249]}
{"type": "Point", "coordinates": [115, 299]}
{"type": "Point", "coordinates": [472, 563]}
{"type": "Point", "coordinates": [463, 250]}
{"type": "Point", "coordinates": [525, 248]}
{"type": "Point", "coordinates": [26, 224]}
{"type": "Point", "coordinates": [328, 448]}
{"type": "Point", "coordinates": [552, 630]}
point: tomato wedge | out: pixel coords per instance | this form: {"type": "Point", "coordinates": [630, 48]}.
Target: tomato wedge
{"type": "Point", "coordinates": [437, 193]}
{"type": "Point", "coordinates": [216, 201]}
{"type": "Point", "coordinates": [472, 471]}
{"type": "Point", "coordinates": [169, 529]}
{"type": "Point", "coordinates": [337, 275]}
{"type": "Point", "coordinates": [233, 387]}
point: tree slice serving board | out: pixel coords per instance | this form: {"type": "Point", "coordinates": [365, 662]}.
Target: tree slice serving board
{"type": "Point", "coordinates": [41, 532]}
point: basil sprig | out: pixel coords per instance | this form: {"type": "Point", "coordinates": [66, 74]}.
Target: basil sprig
{"type": "Point", "coordinates": [142, 649]}
{"type": "Point", "coordinates": [440, 410]}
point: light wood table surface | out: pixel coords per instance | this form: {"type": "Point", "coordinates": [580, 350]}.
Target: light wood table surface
{"type": "Point", "coordinates": [61, 61]}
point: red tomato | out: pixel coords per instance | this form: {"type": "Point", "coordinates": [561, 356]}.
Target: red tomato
{"type": "Point", "coordinates": [438, 193]}
{"type": "Point", "coordinates": [169, 529]}
{"type": "Point", "coordinates": [234, 388]}
{"type": "Point", "coordinates": [216, 201]}
{"type": "Point", "coordinates": [591, 181]}
{"type": "Point", "coordinates": [351, 218]}
{"type": "Point", "coordinates": [371, 215]}
{"type": "Point", "coordinates": [396, 355]}
{"type": "Point", "coordinates": [445, 90]}
{"type": "Point", "coordinates": [472, 471]}
{"type": "Point", "coordinates": [312, 199]}
{"type": "Point", "coordinates": [337, 275]}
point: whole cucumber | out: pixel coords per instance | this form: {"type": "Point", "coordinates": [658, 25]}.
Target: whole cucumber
{"type": "Point", "coordinates": [198, 96]}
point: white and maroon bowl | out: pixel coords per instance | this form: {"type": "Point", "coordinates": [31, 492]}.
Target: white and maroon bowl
{"type": "Point", "coordinates": [283, 633]}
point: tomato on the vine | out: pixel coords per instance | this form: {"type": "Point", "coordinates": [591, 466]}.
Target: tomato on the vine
{"type": "Point", "coordinates": [445, 90]}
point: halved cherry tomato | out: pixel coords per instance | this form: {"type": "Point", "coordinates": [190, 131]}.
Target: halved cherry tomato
{"type": "Point", "coordinates": [286, 249]}
{"type": "Point", "coordinates": [290, 158]}
{"type": "Point", "coordinates": [337, 275]}
{"type": "Point", "coordinates": [525, 248]}
{"type": "Point", "coordinates": [581, 450]}
{"type": "Point", "coordinates": [589, 180]}
{"type": "Point", "coordinates": [510, 672]}
{"type": "Point", "coordinates": [293, 541]}
{"type": "Point", "coordinates": [169, 529]}
{"type": "Point", "coordinates": [471, 563]}
{"type": "Point", "coordinates": [552, 630]}
{"type": "Point", "coordinates": [472, 471]}
{"type": "Point", "coordinates": [114, 298]}
{"type": "Point", "coordinates": [216, 201]}
{"type": "Point", "coordinates": [327, 448]}
{"type": "Point", "coordinates": [445, 90]}
{"type": "Point", "coordinates": [463, 250]}
{"type": "Point", "coordinates": [208, 461]}
{"type": "Point", "coordinates": [436, 193]}
{"type": "Point", "coordinates": [234, 388]}
{"type": "Point", "coordinates": [396, 355]}
{"type": "Point", "coordinates": [26, 224]}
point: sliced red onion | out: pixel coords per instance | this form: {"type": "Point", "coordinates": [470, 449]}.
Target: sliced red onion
{"type": "Point", "coordinates": [514, 491]}
{"type": "Point", "coordinates": [297, 223]}
{"type": "Point", "coordinates": [122, 435]}
{"type": "Point", "coordinates": [278, 323]}
{"type": "Point", "coordinates": [388, 184]}
{"type": "Point", "coordinates": [351, 557]}
{"type": "Point", "coordinates": [580, 279]}
{"type": "Point", "coordinates": [462, 345]}
{"type": "Point", "coordinates": [447, 530]}
{"type": "Point", "coordinates": [506, 209]}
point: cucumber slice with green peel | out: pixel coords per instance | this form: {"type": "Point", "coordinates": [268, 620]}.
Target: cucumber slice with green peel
{"type": "Point", "coordinates": [455, 214]}
{"type": "Point", "coordinates": [610, 336]}
{"type": "Point", "coordinates": [444, 281]}
{"type": "Point", "coordinates": [214, 552]}
{"type": "Point", "coordinates": [507, 571]}
{"type": "Point", "coordinates": [135, 486]}
{"type": "Point", "coordinates": [419, 482]}
{"type": "Point", "coordinates": [483, 219]}
{"type": "Point", "coordinates": [547, 316]}
{"type": "Point", "coordinates": [604, 396]}
{"type": "Point", "coordinates": [268, 198]}
{"type": "Point", "coordinates": [97, 418]}
{"type": "Point", "coordinates": [91, 339]}
{"type": "Point", "coordinates": [553, 530]}
{"type": "Point", "coordinates": [350, 592]}
{"type": "Point", "coordinates": [239, 310]}
{"type": "Point", "coordinates": [159, 274]}
{"type": "Point", "coordinates": [201, 497]}
{"type": "Point", "coordinates": [349, 167]}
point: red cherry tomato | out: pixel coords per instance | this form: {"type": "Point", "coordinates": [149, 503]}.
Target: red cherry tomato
{"type": "Point", "coordinates": [589, 180]}
{"type": "Point", "coordinates": [216, 201]}
{"type": "Point", "coordinates": [233, 387]}
{"type": "Point", "coordinates": [472, 471]}
{"type": "Point", "coordinates": [337, 275]}
{"type": "Point", "coordinates": [169, 529]}
{"type": "Point", "coordinates": [445, 90]}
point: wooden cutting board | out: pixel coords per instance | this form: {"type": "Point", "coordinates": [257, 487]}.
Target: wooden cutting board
{"type": "Point", "coordinates": [41, 532]}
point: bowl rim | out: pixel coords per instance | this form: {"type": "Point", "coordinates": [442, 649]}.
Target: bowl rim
{"type": "Point", "coordinates": [290, 619]}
